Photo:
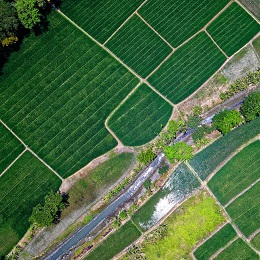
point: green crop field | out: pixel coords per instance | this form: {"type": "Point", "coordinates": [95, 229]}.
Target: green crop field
{"type": "Point", "coordinates": [187, 68]}
{"type": "Point", "coordinates": [178, 20]}
{"type": "Point", "coordinates": [238, 250]}
{"type": "Point", "coordinates": [242, 170]}
{"type": "Point", "coordinates": [207, 160]}
{"type": "Point", "coordinates": [256, 241]}
{"type": "Point", "coordinates": [22, 187]}
{"type": "Point", "coordinates": [141, 117]}
{"type": "Point", "coordinates": [180, 185]}
{"type": "Point", "coordinates": [115, 243]}
{"type": "Point", "coordinates": [139, 46]}
{"type": "Point", "coordinates": [233, 29]}
{"type": "Point", "coordinates": [245, 211]}
{"type": "Point", "coordinates": [10, 148]}
{"type": "Point", "coordinates": [214, 243]}
{"type": "Point", "coordinates": [58, 106]}
{"type": "Point", "coordinates": [100, 18]}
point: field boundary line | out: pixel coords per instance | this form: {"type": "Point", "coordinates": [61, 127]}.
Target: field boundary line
{"type": "Point", "coordinates": [224, 162]}
{"type": "Point", "coordinates": [31, 151]}
{"type": "Point", "coordinates": [136, 12]}
{"type": "Point", "coordinates": [136, 226]}
{"type": "Point", "coordinates": [11, 164]}
{"type": "Point", "coordinates": [254, 234]}
{"type": "Point", "coordinates": [127, 19]}
{"type": "Point", "coordinates": [241, 193]}
{"type": "Point", "coordinates": [242, 6]}
{"type": "Point", "coordinates": [223, 248]}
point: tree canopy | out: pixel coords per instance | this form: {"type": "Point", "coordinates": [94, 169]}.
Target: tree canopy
{"type": "Point", "coordinates": [179, 151]}
{"type": "Point", "coordinates": [146, 156]}
{"type": "Point", "coordinates": [251, 106]}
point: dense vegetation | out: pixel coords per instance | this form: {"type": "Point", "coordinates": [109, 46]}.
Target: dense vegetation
{"type": "Point", "coordinates": [251, 106]}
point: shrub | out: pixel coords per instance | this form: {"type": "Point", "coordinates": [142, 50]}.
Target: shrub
{"type": "Point", "coordinates": [197, 110]}
{"type": "Point", "coordinates": [193, 121]}
{"type": "Point", "coordinates": [251, 106]}
{"type": "Point", "coordinates": [179, 151]}
{"type": "Point", "coordinates": [146, 156]}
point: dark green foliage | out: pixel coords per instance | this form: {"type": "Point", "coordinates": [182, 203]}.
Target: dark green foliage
{"type": "Point", "coordinates": [123, 215]}
{"type": "Point", "coordinates": [198, 134]}
{"type": "Point", "coordinates": [147, 184]}
{"type": "Point", "coordinates": [139, 46]}
{"type": "Point", "coordinates": [245, 211]}
{"type": "Point", "coordinates": [233, 28]}
{"type": "Point", "coordinates": [57, 102]}
{"type": "Point", "coordinates": [225, 120]}
{"type": "Point", "coordinates": [140, 118]}
{"type": "Point", "coordinates": [100, 18]}
{"type": "Point", "coordinates": [179, 151]}
{"type": "Point", "coordinates": [238, 250]}
{"type": "Point", "coordinates": [22, 187]}
{"type": "Point", "coordinates": [164, 168]}
{"type": "Point", "coordinates": [187, 68]}
{"type": "Point", "coordinates": [44, 215]}
{"type": "Point", "coordinates": [146, 156]}
{"type": "Point", "coordinates": [237, 174]}
{"type": "Point", "coordinates": [178, 20]}
{"type": "Point", "coordinates": [256, 241]}
{"type": "Point", "coordinates": [214, 243]}
{"type": "Point", "coordinates": [207, 160]}
{"type": "Point", "coordinates": [251, 106]}
{"type": "Point", "coordinates": [115, 243]}
{"type": "Point", "coordinates": [10, 148]}
{"type": "Point", "coordinates": [193, 121]}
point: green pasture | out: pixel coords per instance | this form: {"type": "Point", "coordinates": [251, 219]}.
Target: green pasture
{"type": "Point", "coordinates": [245, 211]}
{"type": "Point", "coordinates": [256, 241]}
{"type": "Point", "coordinates": [180, 185]}
{"type": "Point", "coordinates": [141, 117]}
{"type": "Point", "coordinates": [115, 243]}
{"type": "Point", "coordinates": [139, 46]}
{"type": "Point", "coordinates": [187, 68]}
{"type": "Point", "coordinates": [100, 18]}
{"type": "Point", "coordinates": [193, 220]}
{"type": "Point", "coordinates": [209, 158]}
{"type": "Point", "coordinates": [242, 170]}
{"type": "Point", "coordinates": [58, 98]}
{"type": "Point", "coordinates": [10, 148]}
{"type": "Point", "coordinates": [22, 187]}
{"type": "Point", "coordinates": [178, 20]}
{"type": "Point", "coordinates": [214, 243]}
{"type": "Point", "coordinates": [238, 250]}
{"type": "Point", "coordinates": [233, 29]}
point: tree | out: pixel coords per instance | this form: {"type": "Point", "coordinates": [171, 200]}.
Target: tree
{"type": "Point", "coordinates": [146, 156]}
{"type": "Point", "coordinates": [179, 151]}
{"type": "Point", "coordinates": [148, 184]}
{"type": "Point", "coordinates": [193, 121]}
{"type": "Point", "coordinates": [251, 106]}
{"type": "Point", "coordinates": [172, 128]}
{"type": "Point", "coordinates": [197, 110]}
{"type": "Point", "coordinates": [198, 134]}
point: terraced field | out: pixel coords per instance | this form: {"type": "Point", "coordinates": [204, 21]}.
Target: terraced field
{"type": "Point", "coordinates": [22, 187]}
{"type": "Point", "coordinates": [140, 118]}
{"type": "Point", "coordinates": [187, 68]}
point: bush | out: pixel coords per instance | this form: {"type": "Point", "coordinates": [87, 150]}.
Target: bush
{"type": "Point", "coordinates": [251, 106]}
{"type": "Point", "coordinates": [123, 215]}
{"type": "Point", "coordinates": [197, 110]}
{"type": "Point", "coordinates": [198, 134]}
{"type": "Point", "coordinates": [193, 121]}
{"type": "Point", "coordinates": [146, 156]}
{"type": "Point", "coordinates": [179, 151]}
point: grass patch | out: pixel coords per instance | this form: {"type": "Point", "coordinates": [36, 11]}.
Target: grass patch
{"type": "Point", "coordinates": [99, 18]}
{"type": "Point", "coordinates": [10, 148]}
{"type": "Point", "coordinates": [233, 29]}
{"type": "Point", "coordinates": [179, 186]}
{"type": "Point", "coordinates": [22, 187]}
{"type": "Point", "coordinates": [238, 250]}
{"type": "Point", "coordinates": [187, 68]}
{"type": "Point", "coordinates": [256, 45]}
{"type": "Point", "coordinates": [193, 220]}
{"type": "Point", "coordinates": [209, 158]}
{"type": "Point", "coordinates": [256, 241]}
{"type": "Point", "coordinates": [141, 117]}
{"type": "Point", "coordinates": [214, 243]}
{"type": "Point", "coordinates": [89, 188]}
{"type": "Point", "coordinates": [178, 20]}
{"type": "Point", "coordinates": [139, 46]}
{"type": "Point", "coordinates": [237, 174]}
{"type": "Point", "coordinates": [58, 106]}
{"type": "Point", "coordinates": [115, 243]}
{"type": "Point", "coordinates": [245, 211]}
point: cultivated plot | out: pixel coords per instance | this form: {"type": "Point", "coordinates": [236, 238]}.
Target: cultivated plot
{"type": "Point", "coordinates": [215, 242]}
{"type": "Point", "coordinates": [139, 46]}
{"type": "Point", "coordinates": [233, 29]}
{"type": "Point", "coordinates": [245, 211]}
{"type": "Point", "coordinates": [238, 250]}
{"type": "Point", "coordinates": [187, 68]}
{"type": "Point", "coordinates": [58, 106]}
{"type": "Point", "coordinates": [241, 171]}
{"type": "Point", "coordinates": [141, 117]}
{"type": "Point", "coordinates": [178, 20]}
{"type": "Point", "coordinates": [180, 185]}
{"type": "Point", "coordinates": [256, 241]}
{"type": "Point", "coordinates": [100, 18]}
{"type": "Point", "coordinates": [10, 148]}
{"type": "Point", "coordinates": [22, 187]}
{"type": "Point", "coordinates": [207, 160]}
